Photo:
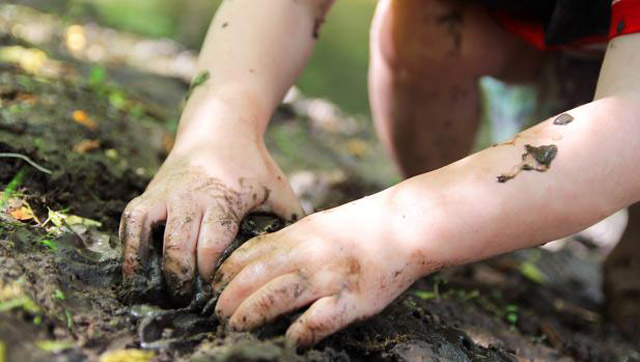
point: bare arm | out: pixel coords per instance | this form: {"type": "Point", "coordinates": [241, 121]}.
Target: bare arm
{"type": "Point", "coordinates": [219, 169]}
{"type": "Point", "coordinates": [594, 174]}
{"type": "Point", "coordinates": [254, 51]}
{"type": "Point", "coordinates": [352, 261]}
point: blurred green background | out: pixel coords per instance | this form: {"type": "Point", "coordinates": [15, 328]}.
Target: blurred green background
{"type": "Point", "coordinates": [337, 71]}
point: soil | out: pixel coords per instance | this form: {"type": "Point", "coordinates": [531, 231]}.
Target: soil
{"type": "Point", "coordinates": [61, 297]}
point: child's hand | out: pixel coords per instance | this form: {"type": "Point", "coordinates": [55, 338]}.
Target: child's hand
{"type": "Point", "coordinates": [202, 193]}
{"type": "Point", "coordinates": [346, 262]}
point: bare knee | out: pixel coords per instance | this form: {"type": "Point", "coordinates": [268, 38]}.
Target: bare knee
{"type": "Point", "coordinates": [421, 39]}
{"type": "Point", "coordinates": [426, 59]}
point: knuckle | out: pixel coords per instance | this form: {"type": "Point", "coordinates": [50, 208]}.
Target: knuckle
{"type": "Point", "coordinates": [255, 269]}
{"type": "Point", "coordinates": [177, 197]}
{"type": "Point", "coordinates": [134, 210]}
{"type": "Point", "coordinates": [320, 252]}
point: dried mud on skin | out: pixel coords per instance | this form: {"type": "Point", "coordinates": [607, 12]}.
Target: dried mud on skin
{"type": "Point", "coordinates": [73, 294]}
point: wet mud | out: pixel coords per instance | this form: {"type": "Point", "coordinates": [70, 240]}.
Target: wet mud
{"type": "Point", "coordinates": [62, 297]}
{"type": "Point", "coordinates": [563, 119]}
{"type": "Point", "coordinates": [535, 158]}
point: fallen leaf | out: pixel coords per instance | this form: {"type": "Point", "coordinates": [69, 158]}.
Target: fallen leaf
{"type": "Point", "coordinates": [23, 213]}
{"type": "Point", "coordinates": [56, 218]}
{"type": "Point", "coordinates": [29, 59]}
{"type": "Point", "coordinates": [423, 294]}
{"type": "Point", "coordinates": [54, 346]}
{"type": "Point", "coordinates": [86, 146]}
{"type": "Point", "coordinates": [77, 220]}
{"type": "Point", "coordinates": [18, 209]}
{"type": "Point", "coordinates": [357, 147]}
{"type": "Point", "coordinates": [49, 243]}
{"type": "Point", "coordinates": [26, 98]}
{"type": "Point", "coordinates": [532, 272]}
{"type": "Point", "coordinates": [167, 142]}
{"type": "Point", "coordinates": [81, 117]}
{"type": "Point", "coordinates": [127, 355]}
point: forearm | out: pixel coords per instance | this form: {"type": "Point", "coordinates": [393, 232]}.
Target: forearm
{"type": "Point", "coordinates": [474, 216]}
{"type": "Point", "coordinates": [253, 52]}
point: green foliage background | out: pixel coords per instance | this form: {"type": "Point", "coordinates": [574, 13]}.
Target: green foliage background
{"type": "Point", "coordinates": [337, 71]}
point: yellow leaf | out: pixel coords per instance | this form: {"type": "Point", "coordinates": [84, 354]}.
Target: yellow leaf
{"type": "Point", "coordinates": [56, 218]}
{"type": "Point", "coordinates": [127, 355]}
{"type": "Point", "coordinates": [86, 146]}
{"type": "Point", "coordinates": [81, 117]}
{"type": "Point", "coordinates": [29, 59]}
{"type": "Point", "coordinates": [357, 147]}
{"type": "Point", "coordinates": [54, 346]}
{"type": "Point", "coordinates": [77, 220]}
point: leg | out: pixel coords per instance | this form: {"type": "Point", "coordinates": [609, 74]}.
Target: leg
{"type": "Point", "coordinates": [426, 59]}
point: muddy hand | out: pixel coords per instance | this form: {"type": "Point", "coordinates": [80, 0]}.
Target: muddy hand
{"type": "Point", "coordinates": [202, 196]}
{"type": "Point", "coordinates": [344, 263]}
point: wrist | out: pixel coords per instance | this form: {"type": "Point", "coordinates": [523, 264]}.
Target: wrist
{"type": "Point", "coordinates": [214, 116]}
{"type": "Point", "coordinates": [421, 222]}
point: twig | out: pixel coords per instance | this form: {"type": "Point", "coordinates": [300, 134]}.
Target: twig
{"type": "Point", "coordinates": [27, 160]}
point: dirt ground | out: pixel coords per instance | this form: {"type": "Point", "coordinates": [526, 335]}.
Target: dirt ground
{"type": "Point", "coordinates": [75, 146]}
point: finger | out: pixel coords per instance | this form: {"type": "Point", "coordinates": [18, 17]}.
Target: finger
{"type": "Point", "coordinates": [283, 294]}
{"type": "Point", "coordinates": [179, 254]}
{"type": "Point", "coordinates": [218, 229]}
{"type": "Point", "coordinates": [282, 201]}
{"type": "Point", "coordinates": [247, 253]}
{"type": "Point", "coordinates": [135, 229]}
{"type": "Point", "coordinates": [251, 278]}
{"type": "Point", "coordinates": [326, 316]}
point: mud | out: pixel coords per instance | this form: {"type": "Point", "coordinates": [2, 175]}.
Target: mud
{"type": "Point", "coordinates": [199, 79]}
{"type": "Point", "coordinates": [61, 296]}
{"type": "Point", "coordinates": [563, 119]}
{"type": "Point", "coordinates": [536, 158]}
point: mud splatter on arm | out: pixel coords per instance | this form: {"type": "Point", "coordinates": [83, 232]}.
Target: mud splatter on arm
{"type": "Point", "coordinates": [535, 158]}
{"type": "Point", "coordinates": [563, 119]}
{"type": "Point", "coordinates": [199, 80]}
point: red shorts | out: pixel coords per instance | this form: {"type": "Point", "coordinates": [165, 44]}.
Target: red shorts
{"type": "Point", "coordinates": [625, 19]}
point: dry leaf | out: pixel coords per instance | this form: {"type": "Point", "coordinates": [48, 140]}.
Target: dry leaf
{"type": "Point", "coordinates": [127, 355]}
{"type": "Point", "coordinates": [357, 147]}
{"type": "Point", "coordinates": [167, 142]}
{"type": "Point", "coordinates": [80, 116]}
{"type": "Point", "coordinates": [86, 146]}
{"type": "Point", "coordinates": [26, 98]}
{"type": "Point", "coordinates": [23, 213]}
{"type": "Point", "coordinates": [19, 209]}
